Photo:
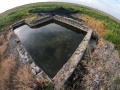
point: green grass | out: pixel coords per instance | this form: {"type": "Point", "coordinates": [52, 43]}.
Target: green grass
{"type": "Point", "coordinates": [15, 14]}
{"type": "Point", "coordinates": [117, 80]}
{"type": "Point", "coordinates": [113, 36]}
{"type": "Point", "coordinates": [11, 18]}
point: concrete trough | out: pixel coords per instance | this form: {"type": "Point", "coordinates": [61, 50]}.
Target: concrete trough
{"type": "Point", "coordinates": [68, 68]}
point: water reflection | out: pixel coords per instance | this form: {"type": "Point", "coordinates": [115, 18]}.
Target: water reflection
{"type": "Point", "coordinates": [50, 45]}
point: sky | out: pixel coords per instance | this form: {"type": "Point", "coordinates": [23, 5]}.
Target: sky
{"type": "Point", "coordinates": [111, 7]}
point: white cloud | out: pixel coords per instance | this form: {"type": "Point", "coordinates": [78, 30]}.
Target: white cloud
{"type": "Point", "coordinates": [109, 6]}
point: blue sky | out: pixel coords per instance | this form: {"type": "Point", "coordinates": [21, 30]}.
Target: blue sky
{"type": "Point", "coordinates": [111, 7]}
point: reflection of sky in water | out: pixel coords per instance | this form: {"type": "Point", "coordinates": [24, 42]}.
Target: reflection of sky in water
{"type": "Point", "coordinates": [50, 45]}
{"type": "Point", "coordinates": [109, 6]}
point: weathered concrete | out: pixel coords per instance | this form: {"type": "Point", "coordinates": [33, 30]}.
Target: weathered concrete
{"type": "Point", "coordinates": [80, 25]}
{"type": "Point", "coordinates": [18, 24]}
{"type": "Point", "coordinates": [41, 20]}
{"type": "Point", "coordinates": [71, 64]}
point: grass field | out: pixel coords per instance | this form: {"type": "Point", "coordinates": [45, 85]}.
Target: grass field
{"type": "Point", "coordinates": [109, 23]}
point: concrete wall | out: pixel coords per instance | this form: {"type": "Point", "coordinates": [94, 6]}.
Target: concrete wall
{"type": "Point", "coordinates": [80, 25]}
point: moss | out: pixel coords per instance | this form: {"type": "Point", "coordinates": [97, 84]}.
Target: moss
{"type": "Point", "coordinates": [117, 80]}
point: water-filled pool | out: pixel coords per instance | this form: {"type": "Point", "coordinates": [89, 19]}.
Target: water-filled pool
{"type": "Point", "coordinates": [50, 45]}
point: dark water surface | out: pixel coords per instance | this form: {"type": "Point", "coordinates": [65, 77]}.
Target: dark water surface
{"type": "Point", "coordinates": [50, 45]}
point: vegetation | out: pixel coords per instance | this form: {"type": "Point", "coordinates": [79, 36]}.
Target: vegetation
{"type": "Point", "coordinates": [109, 23]}
{"type": "Point", "coordinates": [11, 75]}
{"type": "Point", "coordinates": [6, 71]}
{"type": "Point", "coordinates": [97, 25]}
{"type": "Point", "coordinates": [24, 79]}
{"type": "Point", "coordinates": [117, 80]}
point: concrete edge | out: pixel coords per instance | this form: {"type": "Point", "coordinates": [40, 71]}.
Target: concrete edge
{"type": "Point", "coordinates": [72, 63]}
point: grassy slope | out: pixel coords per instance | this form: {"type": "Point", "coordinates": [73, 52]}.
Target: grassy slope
{"type": "Point", "coordinates": [13, 15]}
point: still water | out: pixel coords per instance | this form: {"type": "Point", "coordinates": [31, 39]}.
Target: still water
{"type": "Point", "coordinates": [50, 45]}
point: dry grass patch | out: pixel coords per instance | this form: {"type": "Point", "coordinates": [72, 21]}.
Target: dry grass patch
{"type": "Point", "coordinates": [9, 35]}
{"type": "Point", "coordinates": [24, 78]}
{"type": "Point", "coordinates": [7, 68]}
{"type": "Point", "coordinates": [97, 25]}
{"type": "Point", "coordinates": [3, 48]}
{"type": "Point", "coordinates": [9, 79]}
{"type": "Point", "coordinates": [2, 39]}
